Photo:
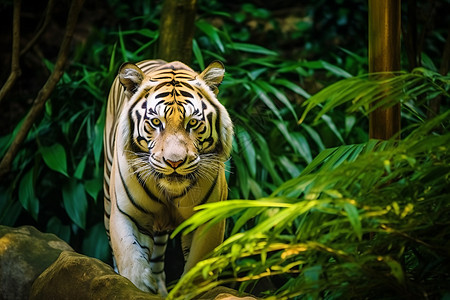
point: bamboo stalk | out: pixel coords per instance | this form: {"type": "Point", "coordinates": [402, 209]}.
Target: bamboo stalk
{"type": "Point", "coordinates": [384, 56]}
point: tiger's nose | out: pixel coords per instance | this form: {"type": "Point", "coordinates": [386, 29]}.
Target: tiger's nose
{"type": "Point", "coordinates": [174, 164]}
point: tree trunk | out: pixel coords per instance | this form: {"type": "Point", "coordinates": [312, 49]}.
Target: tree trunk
{"type": "Point", "coordinates": [177, 28]}
{"type": "Point", "coordinates": [384, 56]}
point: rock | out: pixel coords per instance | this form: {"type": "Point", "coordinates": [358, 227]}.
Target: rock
{"type": "Point", "coordinates": [25, 253]}
{"type": "Point", "coordinates": [80, 277]}
{"type": "Point", "coordinates": [35, 265]}
{"type": "Point", "coordinates": [75, 276]}
{"type": "Point", "coordinates": [224, 293]}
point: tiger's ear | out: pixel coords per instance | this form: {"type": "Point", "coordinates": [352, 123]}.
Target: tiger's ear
{"type": "Point", "coordinates": [130, 76]}
{"type": "Point", "coordinates": [213, 75]}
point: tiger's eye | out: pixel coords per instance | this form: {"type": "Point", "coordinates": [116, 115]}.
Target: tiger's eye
{"type": "Point", "coordinates": [193, 122]}
{"type": "Point", "coordinates": [156, 122]}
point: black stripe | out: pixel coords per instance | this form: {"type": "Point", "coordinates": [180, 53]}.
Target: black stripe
{"type": "Point", "coordinates": [139, 227]}
{"type": "Point", "coordinates": [218, 147]}
{"type": "Point", "coordinates": [187, 85]}
{"type": "Point", "coordinates": [157, 259]}
{"type": "Point", "coordinates": [133, 147]}
{"type": "Point", "coordinates": [142, 247]}
{"type": "Point", "coordinates": [158, 272]}
{"type": "Point", "coordinates": [162, 77]}
{"type": "Point", "coordinates": [162, 95]}
{"type": "Point", "coordinates": [146, 189]}
{"type": "Point", "coordinates": [208, 194]}
{"type": "Point", "coordinates": [186, 94]}
{"type": "Point", "coordinates": [130, 196]}
{"type": "Point", "coordinates": [161, 233]}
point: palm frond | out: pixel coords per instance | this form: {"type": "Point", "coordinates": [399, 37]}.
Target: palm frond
{"type": "Point", "coordinates": [361, 221]}
{"type": "Point", "coordinates": [380, 89]}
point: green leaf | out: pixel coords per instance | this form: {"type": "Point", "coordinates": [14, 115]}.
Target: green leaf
{"type": "Point", "coordinates": [320, 64]}
{"type": "Point", "coordinates": [279, 95]}
{"type": "Point", "coordinates": [80, 168]}
{"type": "Point", "coordinates": [98, 136]}
{"type": "Point", "coordinates": [266, 99]}
{"type": "Point", "coordinates": [353, 217]}
{"type": "Point", "coordinates": [293, 87]}
{"type": "Point", "coordinates": [112, 59]}
{"type": "Point", "coordinates": [55, 158]}
{"type": "Point", "coordinates": [55, 226]}
{"type": "Point", "coordinates": [10, 208]}
{"type": "Point", "coordinates": [212, 33]}
{"type": "Point", "coordinates": [333, 127]}
{"type": "Point", "coordinates": [246, 144]}
{"type": "Point", "coordinates": [251, 48]}
{"type": "Point", "coordinates": [304, 148]}
{"type": "Point", "coordinates": [396, 269]}
{"type": "Point", "coordinates": [94, 186]}
{"type": "Point", "coordinates": [335, 70]}
{"type": "Point", "coordinates": [242, 176]}
{"type": "Point", "coordinates": [255, 188]}
{"type": "Point", "coordinates": [315, 136]}
{"type": "Point", "coordinates": [27, 196]}
{"type": "Point", "coordinates": [75, 202]}
{"type": "Point", "coordinates": [122, 47]}
{"type": "Point", "coordinates": [198, 54]}
{"type": "Point", "coordinates": [96, 242]}
{"type": "Point", "coordinates": [266, 160]}
{"type": "Point", "coordinates": [289, 166]}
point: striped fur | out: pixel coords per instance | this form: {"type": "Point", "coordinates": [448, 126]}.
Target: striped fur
{"type": "Point", "coordinates": [166, 140]}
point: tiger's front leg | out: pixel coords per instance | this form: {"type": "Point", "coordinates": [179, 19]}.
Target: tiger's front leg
{"type": "Point", "coordinates": [133, 251]}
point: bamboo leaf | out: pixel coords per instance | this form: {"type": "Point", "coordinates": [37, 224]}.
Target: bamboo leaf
{"type": "Point", "coordinates": [248, 150]}
{"type": "Point", "coordinates": [212, 33]}
{"type": "Point", "coordinates": [293, 87]}
{"type": "Point", "coordinates": [251, 48]}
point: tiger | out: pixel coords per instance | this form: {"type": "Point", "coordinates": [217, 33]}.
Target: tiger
{"type": "Point", "coordinates": [166, 140]}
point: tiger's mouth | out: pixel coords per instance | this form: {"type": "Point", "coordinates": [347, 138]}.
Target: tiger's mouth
{"type": "Point", "coordinates": [176, 177]}
{"type": "Point", "coordinates": [176, 184]}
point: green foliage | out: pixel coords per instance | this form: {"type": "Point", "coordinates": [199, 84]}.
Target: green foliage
{"type": "Point", "coordinates": [57, 176]}
{"type": "Point", "coordinates": [382, 90]}
{"type": "Point", "coordinates": [361, 221]}
{"type": "Point", "coordinates": [268, 148]}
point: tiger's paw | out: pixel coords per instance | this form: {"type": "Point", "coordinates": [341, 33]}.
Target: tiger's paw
{"type": "Point", "coordinates": [144, 281]}
{"type": "Point", "coordinates": [142, 277]}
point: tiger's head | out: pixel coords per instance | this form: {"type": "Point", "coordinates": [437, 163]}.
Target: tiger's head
{"type": "Point", "coordinates": [179, 132]}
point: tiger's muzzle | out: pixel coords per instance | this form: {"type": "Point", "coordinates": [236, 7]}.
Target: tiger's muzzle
{"type": "Point", "coordinates": [175, 158]}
